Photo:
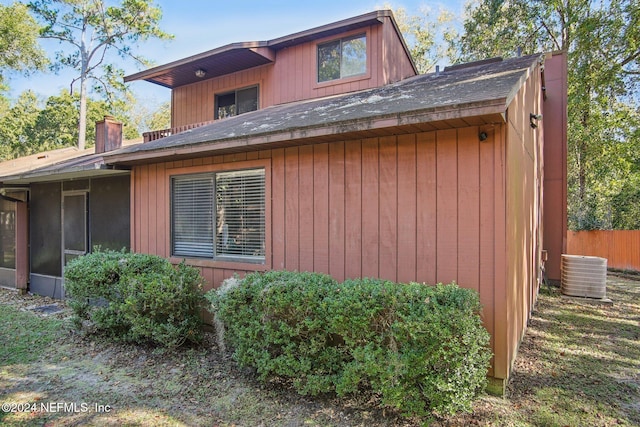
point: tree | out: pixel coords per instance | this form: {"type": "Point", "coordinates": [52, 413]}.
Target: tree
{"type": "Point", "coordinates": [95, 34]}
{"type": "Point", "coordinates": [133, 113]}
{"type": "Point", "coordinates": [18, 41]}
{"type": "Point", "coordinates": [29, 128]}
{"type": "Point", "coordinates": [160, 118]}
{"type": "Point", "coordinates": [17, 127]}
{"type": "Point", "coordinates": [603, 45]}
{"type": "Point", "coordinates": [428, 40]}
{"type": "Point", "coordinates": [500, 28]}
{"type": "Point", "coordinates": [57, 124]}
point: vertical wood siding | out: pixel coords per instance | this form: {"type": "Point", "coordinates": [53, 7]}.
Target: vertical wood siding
{"type": "Point", "coordinates": [151, 199]}
{"type": "Point", "coordinates": [292, 77]}
{"type": "Point", "coordinates": [399, 66]}
{"type": "Point", "coordinates": [194, 103]}
{"type": "Point", "coordinates": [555, 162]}
{"type": "Point", "coordinates": [426, 207]}
{"type": "Point", "coordinates": [621, 248]}
{"type": "Point", "coordinates": [524, 181]}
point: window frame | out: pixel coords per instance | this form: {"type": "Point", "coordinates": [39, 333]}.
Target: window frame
{"type": "Point", "coordinates": [8, 232]}
{"type": "Point", "coordinates": [344, 38]}
{"type": "Point", "coordinates": [223, 260]}
{"type": "Point", "coordinates": [235, 91]}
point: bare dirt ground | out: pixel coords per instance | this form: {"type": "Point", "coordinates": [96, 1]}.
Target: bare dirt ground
{"type": "Point", "coordinates": [578, 365]}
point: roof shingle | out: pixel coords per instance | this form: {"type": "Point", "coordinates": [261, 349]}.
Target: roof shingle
{"type": "Point", "coordinates": [485, 88]}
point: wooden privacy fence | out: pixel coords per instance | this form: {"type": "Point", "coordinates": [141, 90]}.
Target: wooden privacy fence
{"type": "Point", "coordinates": [620, 247]}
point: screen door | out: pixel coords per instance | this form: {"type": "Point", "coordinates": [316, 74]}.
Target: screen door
{"type": "Point", "coordinates": [74, 225]}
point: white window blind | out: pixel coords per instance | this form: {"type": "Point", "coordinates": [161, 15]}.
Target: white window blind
{"type": "Point", "coordinates": [240, 213]}
{"type": "Point", "coordinates": [192, 216]}
{"type": "Point", "coordinates": [219, 215]}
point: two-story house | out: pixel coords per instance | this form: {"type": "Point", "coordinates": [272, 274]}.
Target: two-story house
{"type": "Point", "coordinates": [325, 151]}
{"type": "Point", "coordinates": [364, 52]}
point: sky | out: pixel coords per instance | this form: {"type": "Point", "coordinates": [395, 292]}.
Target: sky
{"type": "Point", "coordinates": [201, 25]}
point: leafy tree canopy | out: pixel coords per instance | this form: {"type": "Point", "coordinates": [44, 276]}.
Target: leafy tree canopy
{"type": "Point", "coordinates": [144, 116]}
{"type": "Point", "coordinates": [17, 126]}
{"type": "Point", "coordinates": [602, 40]}
{"type": "Point", "coordinates": [18, 42]}
{"type": "Point", "coordinates": [33, 126]}
{"type": "Point", "coordinates": [94, 34]}
{"type": "Point", "coordinates": [429, 39]}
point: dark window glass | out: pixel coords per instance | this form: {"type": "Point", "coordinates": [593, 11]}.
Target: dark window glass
{"type": "Point", "coordinates": [75, 222]}
{"type": "Point", "coordinates": [110, 213]}
{"type": "Point", "coordinates": [219, 215]}
{"type": "Point", "coordinates": [342, 58]}
{"type": "Point", "coordinates": [329, 61]}
{"type": "Point", "coordinates": [44, 230]}
{"type": "Point", "coordinates": [237, 102]}
{"type": "Point", "coordinates": [247, 100]}
{"type": "Point", "coordinates": [226, 105]}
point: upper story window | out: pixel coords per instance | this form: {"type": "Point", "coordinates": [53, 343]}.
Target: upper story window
{"type": "Point", "coordinates": [219, 216]}
{"type": "Point", "coordinates": [236, 102]}
{"type": "Point", "coordinates": [342, 58]}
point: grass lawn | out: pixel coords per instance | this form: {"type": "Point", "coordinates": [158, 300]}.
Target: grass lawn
{"type": "Point", "coordinates": [577, 366]}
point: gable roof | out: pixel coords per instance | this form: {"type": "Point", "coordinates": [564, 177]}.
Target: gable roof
{"type": "Point", "coordinates": [241, 56]}
{"type": "Point", "coordinates": [472, 94]}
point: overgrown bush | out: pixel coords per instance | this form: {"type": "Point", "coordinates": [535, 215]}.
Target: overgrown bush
{"type": "Point", "coordinates": [421, 348]}
{"type": "Point", "coordinates": [136, 297]}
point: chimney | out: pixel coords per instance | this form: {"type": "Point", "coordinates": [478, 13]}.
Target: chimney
{"type": "Point", "coordinates": [108, 135]}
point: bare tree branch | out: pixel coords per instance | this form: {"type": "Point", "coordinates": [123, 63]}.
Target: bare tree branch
{"type": "Point", "coordinates": [94, 30]}
{"type": "Point", "coordinates": [60, 38]}
{"type": "Point", "coordinates": [551, 35]}
{"type": "Point", "coordinates": [634, 56]}
{"type": "Point", "coordinates": [71, 85]}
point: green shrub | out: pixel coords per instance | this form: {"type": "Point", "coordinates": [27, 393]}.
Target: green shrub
{"type": "Point", "coordinates": [136, 297]}
{"type": "Point", "coordinates": [422, 348]}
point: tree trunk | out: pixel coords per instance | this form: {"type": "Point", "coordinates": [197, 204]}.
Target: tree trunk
{"type": "Point", "coordinates": [84, 65]}
{"type": "Point", "coordinates": [582, 155]}
{"type": "Point", "coordinates": [82, 122]}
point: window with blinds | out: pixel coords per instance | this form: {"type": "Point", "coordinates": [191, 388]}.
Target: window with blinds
{"type": "Point", "coordinates": [192, 216]}
{"type": "Point", "coordinates": [219, 215]}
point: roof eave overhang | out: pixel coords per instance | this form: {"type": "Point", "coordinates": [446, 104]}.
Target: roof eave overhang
{"type": "Point", "coordinates": [93, 171]}
{"type": "Point", "coordinates": [361, 21]}
{"type": "Point", "coordinates": [452, 116]}
{"type": "Point", "coordinates": [254, 53]}
{"type": "Point", "coordinates": [233, 57]}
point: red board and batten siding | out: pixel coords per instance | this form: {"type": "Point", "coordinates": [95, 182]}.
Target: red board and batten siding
{"type": "Point", "coordinates": [418, 207]}
{"type": "Point", "coordinates": [436, 206]}
{"type": "Point", "coordinates": [194, 103]}
{"type": "Point", "coordinates": [523, 232]}
{"type": "Point", "coordinates": [555, 162]}
{"type": "Point", "coordinates": [398, 66]}
{"type": "Point", "coordinates": [292, 77]}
